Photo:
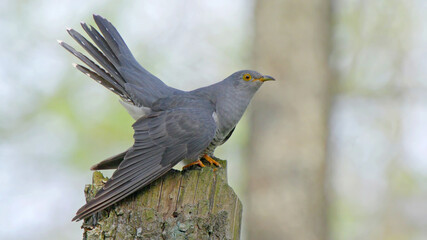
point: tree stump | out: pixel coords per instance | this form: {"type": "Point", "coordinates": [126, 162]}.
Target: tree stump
{"type": "Point", "coordinates": [191, 204]}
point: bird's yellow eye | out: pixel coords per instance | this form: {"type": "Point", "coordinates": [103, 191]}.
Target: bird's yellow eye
{"type": "Point", "coordinates": [247, 77]}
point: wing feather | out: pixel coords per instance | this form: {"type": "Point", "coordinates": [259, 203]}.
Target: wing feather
{"type": "Point", "coordinates": [169, 137]}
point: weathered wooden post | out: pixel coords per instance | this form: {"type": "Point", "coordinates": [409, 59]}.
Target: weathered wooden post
{"type": "Point", "coordinates": [191, 204]}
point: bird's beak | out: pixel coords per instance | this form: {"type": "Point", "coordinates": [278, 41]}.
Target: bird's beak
{"type": "Point", "coordinates": [267, 78]}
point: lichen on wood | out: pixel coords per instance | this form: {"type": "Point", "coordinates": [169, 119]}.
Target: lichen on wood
{"type": "Point", "coordinates": [191, 204]}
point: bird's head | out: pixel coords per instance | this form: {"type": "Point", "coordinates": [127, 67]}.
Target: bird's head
{"type": "Point", "coordinates": [249, 79]}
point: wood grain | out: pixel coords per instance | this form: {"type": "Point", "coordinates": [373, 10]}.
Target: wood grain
{"type": "Point", "coordinates": [192, 204]}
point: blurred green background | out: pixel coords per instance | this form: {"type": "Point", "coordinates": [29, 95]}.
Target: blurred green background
{"type": "Point", "coordinates": [334, 149]}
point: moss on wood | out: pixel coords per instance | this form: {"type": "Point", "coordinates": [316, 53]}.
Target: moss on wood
{"type": "Point", "coordinates": [191, 204]}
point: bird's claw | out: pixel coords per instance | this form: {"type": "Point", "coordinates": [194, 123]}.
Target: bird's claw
{"type": "Point", "coordinates": [198, 162]}
{"type": "Point", "coordinates": [211, 160]}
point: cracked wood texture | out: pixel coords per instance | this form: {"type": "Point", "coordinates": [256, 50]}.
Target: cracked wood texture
{"type": "Point", "coordinates": [191, 204]}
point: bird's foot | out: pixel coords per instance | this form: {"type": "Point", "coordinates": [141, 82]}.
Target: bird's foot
{"type": "Point", "coordinates": [198, 162]}
{"type": "Point", "coordinates": [211, 160]}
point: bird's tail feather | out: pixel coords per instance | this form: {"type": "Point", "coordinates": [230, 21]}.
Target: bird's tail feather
{"type": "Point", "coordinates": [110, 163]}
{"type": "Point", "coordinates": [104, 53]}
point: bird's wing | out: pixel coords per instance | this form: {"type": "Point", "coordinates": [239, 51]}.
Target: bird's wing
{"type": "Point", "coordinates": [228, 136]}
{"type": "Point", "coordinates": [162, 139]}
{"type": "Point", "coordinates": [115, 66]}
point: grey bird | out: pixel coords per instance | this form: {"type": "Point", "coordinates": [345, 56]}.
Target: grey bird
{"type": "Point", "coordinates": [171, 125]}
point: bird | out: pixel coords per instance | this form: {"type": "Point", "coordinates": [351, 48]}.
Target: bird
{"type": "Point", "coordinates": [170, 124]}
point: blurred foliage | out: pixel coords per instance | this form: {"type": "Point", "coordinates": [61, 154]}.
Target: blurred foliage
{"type": "Point", "coordinates": [377, 160]}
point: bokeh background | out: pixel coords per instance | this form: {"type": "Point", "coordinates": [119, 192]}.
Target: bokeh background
{"type": "Point", "coordinates": [334, 149]}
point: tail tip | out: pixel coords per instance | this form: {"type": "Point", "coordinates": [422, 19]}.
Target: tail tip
{"type": "Point", "coordinates": [94, 167]}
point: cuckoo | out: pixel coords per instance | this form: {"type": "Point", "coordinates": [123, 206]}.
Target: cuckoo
{"type": "Point", "coordinates": [171, 125]}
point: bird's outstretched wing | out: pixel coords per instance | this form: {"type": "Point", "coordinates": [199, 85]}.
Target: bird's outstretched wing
{"type": "Point", "coordinates": [162, 139]}
{"type": "Point", "coordinates": [116, 67]}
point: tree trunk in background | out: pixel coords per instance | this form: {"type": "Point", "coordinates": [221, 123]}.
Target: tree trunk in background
{"type": "Point", "coordinates": [289, 123]}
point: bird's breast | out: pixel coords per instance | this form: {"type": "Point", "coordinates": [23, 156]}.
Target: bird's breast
{"type": "Point", "coordinates": [219, 138]}
{"type": "Point", "coordinates": [229, 111]}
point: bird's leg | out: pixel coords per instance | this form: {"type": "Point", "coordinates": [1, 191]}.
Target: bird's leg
{"type": "Point", "coordinates": [198, 162]}
{"type": "Point", "coordinates": [211, 160]}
